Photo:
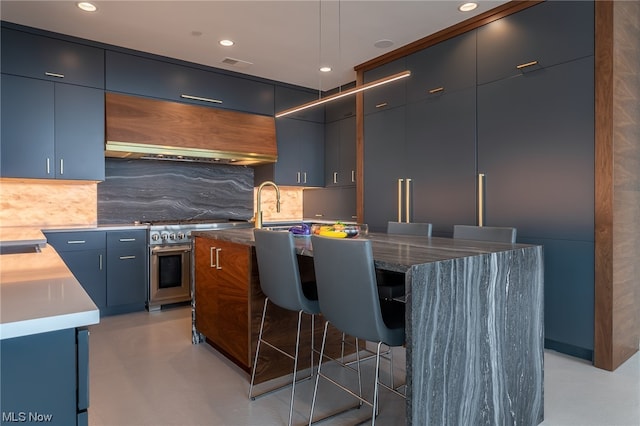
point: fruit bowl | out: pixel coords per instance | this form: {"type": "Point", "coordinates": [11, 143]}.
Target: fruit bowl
{"type": "Point", "coordinates": [340, 230]}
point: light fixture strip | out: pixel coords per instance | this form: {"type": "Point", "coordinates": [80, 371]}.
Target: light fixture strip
{"type": "Point", "coordinates": [348, 92]}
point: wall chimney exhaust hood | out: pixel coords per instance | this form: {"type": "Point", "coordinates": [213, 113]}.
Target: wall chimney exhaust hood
{"type": "Point", "coordinates": [163, 130]}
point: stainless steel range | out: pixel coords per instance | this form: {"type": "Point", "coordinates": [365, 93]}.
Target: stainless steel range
{"type": "Point", "coordinates": [170, 268]}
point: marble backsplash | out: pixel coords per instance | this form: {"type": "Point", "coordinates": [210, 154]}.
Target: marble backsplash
{"type": "Point", "coordinates": [148, 190]}
{"type": "Point", "coordinates": [46, 203]}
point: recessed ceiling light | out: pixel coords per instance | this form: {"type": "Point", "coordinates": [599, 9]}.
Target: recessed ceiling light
{"type": "Point", "coordinates": [87, 7]}
{"type": "Point", "coordinates": [383, 44]}
{"type": "Point", "coordinates": [468, 7]}
{"type": "Point", "coordinates": [226, 43]}
{"type": "Point", "coordinates": [325, 69]}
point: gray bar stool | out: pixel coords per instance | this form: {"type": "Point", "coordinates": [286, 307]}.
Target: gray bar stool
{"type": "Point", "coordinates": [500, 234]}
{"type": "Point", "coordinates": [281, 284]}
{"type": "Point", "coordinates": [348, 296]}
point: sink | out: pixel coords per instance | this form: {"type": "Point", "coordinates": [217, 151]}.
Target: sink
{"type": "Point", "coordinates": [25, 249]}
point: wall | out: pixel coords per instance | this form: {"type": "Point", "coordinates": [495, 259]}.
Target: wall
{"type": "Point", "coordinates": [47, 203]}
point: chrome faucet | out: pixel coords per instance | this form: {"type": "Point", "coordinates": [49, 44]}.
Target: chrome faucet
{"type": "Point", "coordinates": [259, 202]}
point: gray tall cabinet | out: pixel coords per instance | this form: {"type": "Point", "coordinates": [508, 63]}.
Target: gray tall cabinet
{"type": "Point", "coordinates": [512, 100]}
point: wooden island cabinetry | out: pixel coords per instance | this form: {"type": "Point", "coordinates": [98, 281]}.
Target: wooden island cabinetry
{"type": "Point", "coordinates": [228, 306]}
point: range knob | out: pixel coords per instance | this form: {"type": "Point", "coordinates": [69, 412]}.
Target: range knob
{"type": "Point", "coordinates": [181, 236]}
{"type": "Point", "coordinates": [155, 237]}
{"type": "Point", "coordinates": [172, 236]}
{"type": "Point", "coordinates": [164, 236]}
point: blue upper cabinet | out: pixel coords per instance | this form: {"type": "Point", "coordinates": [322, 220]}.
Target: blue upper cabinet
{"type": "Point", "coordinates": [287, 97]}
{"type": "Point", "coordinates": [519, 40]}
{"type": "Point", "coordinates": [45, 58]}
{"type": "Point", "coordinates": [446, 67]}
{"type": "Point", "coordinates": [137, 75]}
{"type": "Point", "coordinates": [387, 96]}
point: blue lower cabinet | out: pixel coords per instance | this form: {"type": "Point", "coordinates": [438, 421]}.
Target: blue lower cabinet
{"type": "Point", "coordinates": [45, 378]}
{"type": "Point", "coordinates": [568, 295]}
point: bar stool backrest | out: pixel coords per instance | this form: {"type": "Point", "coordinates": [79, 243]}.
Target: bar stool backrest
{"type": "Point", "coordinates": [411, 228]}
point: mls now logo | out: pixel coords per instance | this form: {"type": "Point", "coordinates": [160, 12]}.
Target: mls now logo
{"type": "Point", "coordinates": [21, 416]}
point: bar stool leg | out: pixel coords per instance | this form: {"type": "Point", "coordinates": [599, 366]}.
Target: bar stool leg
{"type": "Point", "coordinates": [315, 388]}
{"type": "Point", "coordinates": [255, 361]}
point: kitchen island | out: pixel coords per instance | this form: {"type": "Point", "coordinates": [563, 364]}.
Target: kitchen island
{"type": "Point", "coordinates": [44, 342]}
{"type": "Point", "coordinates": [474, 323]}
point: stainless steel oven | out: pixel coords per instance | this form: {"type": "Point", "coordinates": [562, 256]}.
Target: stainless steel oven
{"type": "Point", "coordinates": [170, 275]}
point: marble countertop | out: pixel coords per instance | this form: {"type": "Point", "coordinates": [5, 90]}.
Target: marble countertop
{"type": "Point", "coordinates": [390, 252]}
{"type": "Point", "coordinates": [38, 294]}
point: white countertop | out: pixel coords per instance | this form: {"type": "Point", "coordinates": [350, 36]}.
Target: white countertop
{"type": "Point", "coordinates": [38, 294]}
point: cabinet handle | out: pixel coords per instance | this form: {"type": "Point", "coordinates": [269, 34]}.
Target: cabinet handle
{"type": "Point", "coordinates": [480, 199]}
{"type": "Point", "coordinates": [48, 166]}
{"type": "Point", "coordinates": [335, 177]}
{"type": "Point", "coordinates": [305, 177]}
{"type": "Point", "coordinates": [298, 177]}
{"type": "Point", "coordinates": [407, 196]}
{"type": "Point", "coordinates": [127, 240]}
{"type": "Point", "coordinates": [76, 242]}
{"type": "Point", "coordinates": [100, 261]}
{"type": "Point", "coordinates": [211, 249]}
{"type": "Point", "coordinates": [400, 199]}
{"type": "Point", "coordinates": [127, 257]}
{"type": "Point", "coordinates": [218, 250]}
{"type": "Point", "coordinates": [61, 166]}
{"type": "Point", "coordinates": [382, 104]}
{"type": "Point", "coordinates": [319, 215]}
{"type": "Point", "coordinates": [436, 90]}
{"type": "Point", "coordinates": [198, 98]}
{"type": "Point", "coordinates": [526, 64]}
{"type": "Point", "coordinates": [54, 74]}
{"type": "Point", "coordinates": [353, 176]}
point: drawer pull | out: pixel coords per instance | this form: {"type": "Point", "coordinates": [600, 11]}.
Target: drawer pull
{"type": "Point", "coordinates": [436, 90]}
{"type": "Point", "coordinates": [127, 257]}
{"type": "Point", "coordinates": [335, 177]}
{"type": "Point", "coordinates": [319, 215]}
{"type": "Point", "coordinates": [127, 240]}
{"type": "Point", "coordinates": [527, 64]}
{"type": "Point", "coordinates": [76, 242]}
{"type": "Point", "coordinates": [382, 104]}
{"type": "Point", "coordinates": [198, 98]}
{"type": "Point", "coordinates": [54, 74]}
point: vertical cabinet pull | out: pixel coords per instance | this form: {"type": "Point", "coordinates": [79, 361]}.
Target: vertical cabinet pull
{"type": "Point", "coordinates": [305, 177]}
{"type": "Point", "coordinates": [61, 166]}
{"type": "Point", "coordinates": [48, 166]}
{"type": "Point", "coordinates": [216, 263]}
{"type": "Point", "coordinates": [480, 199]}
{"type": "Point", "coordinates": [353, 176]}
{"type": "Point", "coordinates": [335, 177]}
{"type": "Point", "coordinates": [298, 177]}
{"type": "Point", "coordinates": [400, 199]}
{"type": "Point", "coordinates": [407, 197]}
{"type": "Point", "coordinates": [100, 261]}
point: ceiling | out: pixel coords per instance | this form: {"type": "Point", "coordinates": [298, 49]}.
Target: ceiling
{"type": "Point", "coordinates": [280, 40]}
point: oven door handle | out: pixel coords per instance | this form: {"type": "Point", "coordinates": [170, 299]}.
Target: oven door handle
{"type": "Point", "coordinates": [170, 249]}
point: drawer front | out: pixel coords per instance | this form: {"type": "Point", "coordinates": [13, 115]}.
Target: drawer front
{"type": "Point", "coordinates": [74, 241]}
{"type": "Point", "coordinates": [123, 240]}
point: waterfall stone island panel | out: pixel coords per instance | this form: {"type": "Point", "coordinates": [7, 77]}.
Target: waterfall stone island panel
{"type": "Point", "coordinates": [476, 330]}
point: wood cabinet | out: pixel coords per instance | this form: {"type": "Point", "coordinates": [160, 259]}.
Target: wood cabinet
{"type": "Point", "coordinates": [222, 290]}
{"type": "Point", "coordinates": [45, 378]}
{"type": "Point", "coordinates": [228, 308]}
{"type": "Point", "coordinates": [51, 130]}
{"type": "Point", "coordinates": [154, 78]}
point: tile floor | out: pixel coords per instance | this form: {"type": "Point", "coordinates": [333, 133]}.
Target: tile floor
{"type": "Point", "coordinates": [145, 371]}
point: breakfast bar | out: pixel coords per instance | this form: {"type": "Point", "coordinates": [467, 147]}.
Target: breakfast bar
{"type": "Point", "coordinates": [474, 323]}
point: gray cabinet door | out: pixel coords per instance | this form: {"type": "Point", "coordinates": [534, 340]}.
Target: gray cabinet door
{"type": "Point", "coordinates": [127, 268]}
{"type": "Point", "coordinates": [550, 33]}
{"type": "Point", "coordinates": [27, 128]}
{"type": "Point", "coordinates": [388, 96]}
{"type": "Point", "coordinates": [164, 80]}
{"type": "Point", "coordinates": [79, 132]}
{"type": "Point", "coordinates": [384, 155]}
{"type": "Point", "coordinates": [441, 161]}
{"type": "Point", "coordinates": [536, 149]}
{"type": "Point", "coordinates": [288, 97]}
{"type": "Point", "coordinates": [46, 58]}
{"type": "Point", "coordinates": [340, 152]}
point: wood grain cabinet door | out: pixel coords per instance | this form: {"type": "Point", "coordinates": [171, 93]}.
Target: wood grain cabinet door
{"type": "Point", "coordinates": [222, 295]}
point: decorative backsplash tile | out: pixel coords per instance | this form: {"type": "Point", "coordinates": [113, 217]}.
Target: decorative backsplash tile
{"type": "Point", "coordinates": [47, 202]}
{"type": "Point", "coordinates": [147, 190]}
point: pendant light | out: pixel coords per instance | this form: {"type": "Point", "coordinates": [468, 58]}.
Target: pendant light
{"type": "Point", "coordinates": [349, 92]}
